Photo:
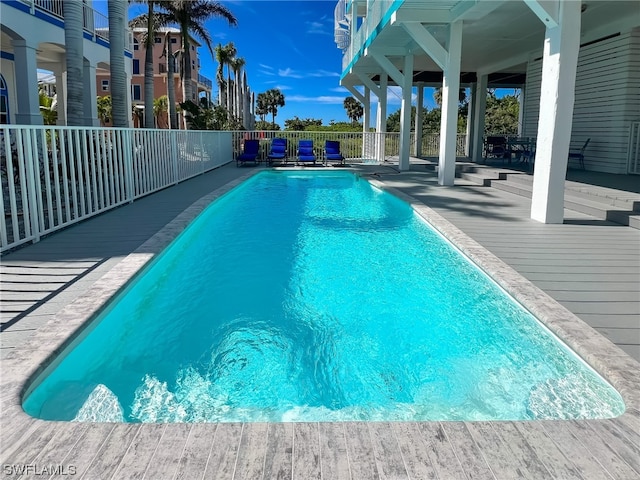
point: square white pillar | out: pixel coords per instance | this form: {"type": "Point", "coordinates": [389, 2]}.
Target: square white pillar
{"type": "Point", "coordinates": [479, 111]}
{"type": "Point", "coordinates": [26, 72]}
{"type": "Point", "coordinates": [450, 100]}
{"type": "Point", "coordinates": [381, 118]}
{"type": "Point", "coordinates": [418, 122]}
{"type": "Point", "coordinates": [405, 113]}
{"type": "Point", "coordinates": [90, 95]}
{"type": "Point", "coordinates": [559, 64]}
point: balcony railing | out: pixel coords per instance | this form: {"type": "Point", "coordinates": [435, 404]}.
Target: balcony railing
{"type": "Point", "coordinates": [94, 22]}
{"type": "Point", "coordinates": [202, 80]}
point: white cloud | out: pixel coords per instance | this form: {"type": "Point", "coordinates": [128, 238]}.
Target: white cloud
{"type": "Point", "coordinates": [287, 72]}
{"type": "Point", "coordinates": [324, 73]}
{"type": "Point", "coordinates": [317, 28]}
{"type": "Point", "coordinates": [282, 87]}
{"type": "Point", "coordinates": [328, 99]}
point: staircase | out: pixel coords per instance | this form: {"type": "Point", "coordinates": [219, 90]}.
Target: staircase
{"type": "Point", "coordinates": [609, 204]}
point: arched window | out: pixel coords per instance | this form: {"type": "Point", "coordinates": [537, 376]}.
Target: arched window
{"type": "Point", "coordinates": [4, 101]}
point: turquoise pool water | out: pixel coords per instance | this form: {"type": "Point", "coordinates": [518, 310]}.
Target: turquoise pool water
{"type": "Point", "coordinates": [313, 296]}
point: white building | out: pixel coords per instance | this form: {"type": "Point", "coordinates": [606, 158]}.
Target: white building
{"type": "Point", "coordinates": [578, 63]}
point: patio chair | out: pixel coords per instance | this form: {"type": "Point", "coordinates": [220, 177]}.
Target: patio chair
{"type": "Point", "coordinates": [278, 150]}
{"type": "Point", "coordinates": [250, 153]}
{"type": "Point", "coordinates": [579, 154]}
{"type": "Point", "coordinates": [332, 152]}
{"type": "Point", "coordinates": [496, 147]}
{"type": "Point", "coordinates": [305, 152]}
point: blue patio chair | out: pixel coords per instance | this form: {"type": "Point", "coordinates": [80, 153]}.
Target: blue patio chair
{"type": "Point", "coordinates": [305, 152]}
{"type": "Point", "coordinates": [332, 152]}
{"type": "Point", "coordinates": [250, 152]}
{"type": "Point", "coordinates": [579, 154]}
{"type": "Point", "coordinates": [278, 150]}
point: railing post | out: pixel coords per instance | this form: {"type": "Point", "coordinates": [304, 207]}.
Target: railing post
{"type": "Point", "coordinates": [127, 147]}
{"type": "Point", "coordinates": [32, 200]}
{"type": "Point", "coordinates": [174, 154]}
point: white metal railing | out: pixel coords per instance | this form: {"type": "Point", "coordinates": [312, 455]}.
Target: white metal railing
{"type": "Point", "coordinates": [53, 177]}
{"type": "Point", "coordinates": [368, 147]}
{"type": "Point", "coordinates": [633, 164]}
{"type": "Point", "coordinates": [376, 11]}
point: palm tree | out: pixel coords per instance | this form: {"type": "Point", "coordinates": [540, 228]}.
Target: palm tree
{"type": "Point", "coordinates": [73, 18]}
{"type": "Point", "coordinates": [236, 65]}
{"type": "Point", "coordinates": [119, 89]}
{"type": "Point", "coordinates": [262, 107]}
{"type": "Point", "coordinates": [171, 86]}
{"type": "Point", "coordinates": [150, 22]}
{"type": "Point", "coordinates": [160, 108]}
{"type": "Point", "coordinates": [275, 99]}
{"type": "Point", "coordinates": [224, 55]}
{"type": "Point", "coordinates": [190, 15]}
{"type": "Point", "coordinates": [354, 109]}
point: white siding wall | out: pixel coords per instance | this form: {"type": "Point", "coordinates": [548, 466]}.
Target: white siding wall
{"type": "Point", "coordinates": [607, 100]}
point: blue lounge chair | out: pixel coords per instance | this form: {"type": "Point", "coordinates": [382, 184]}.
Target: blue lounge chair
{"type": "Point", "coordinates": [332, 152]}
{"type": "Point", "coordinates": [250, 152]}
{"type": "Point", "coordinates": [278, 150]}
{"type": "Point", "coordinates": [579, 154]}
{"type": "Point", "coordinates": [305, 152]}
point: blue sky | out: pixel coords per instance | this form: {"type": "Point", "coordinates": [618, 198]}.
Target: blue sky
{"type": "Point", "coordinates": [287, 45]}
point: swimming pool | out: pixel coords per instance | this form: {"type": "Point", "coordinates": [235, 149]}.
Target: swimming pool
{"type": "Point", "coordinates": [313, 296]}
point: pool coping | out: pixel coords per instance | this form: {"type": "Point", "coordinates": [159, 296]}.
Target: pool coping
{"type": "Point", "coordinates": [29, 360]}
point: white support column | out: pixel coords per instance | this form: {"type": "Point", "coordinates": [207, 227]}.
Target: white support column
{"type": "Point", "coordinates": [405, 113]}
{"type": "Point", "coordinates": [26, 71]}
{"type": "Point", "coordinates": [90, 95]}
{"type": "Point", "coordinates": [418, 122]}
{"type": "Point", "coordinates": [366, 118]}
{"type": "Point", "coordinates": [450, 100]}
{"type": "Point", "coordinates": [468, 146]}
{"type": "Point", "coordinates": [479, 110]}
{"type": "Point", "coordinates": [521, 107]}
{"type": "Point", "coordinates": [559, 63]}
{"type": "Point", "coordinates": [381, 118]}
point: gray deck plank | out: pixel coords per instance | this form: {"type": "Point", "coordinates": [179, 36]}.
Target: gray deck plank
{"type": "Point", "coordinates": [194, 458]}
{"type": "Point", "coordinates": [414, 451]}
{"type": "Point", "coordinates": [521, 450]}
{"type": "Point", "coordinates": [559, 466]}
{"type": "Point", "coordinates": [387, 452]}
{"type": "Point", "coordinates": [495, 451]}
{"type": "Point", "coordinates": [441, 452]}
{"type": "Point", "coordinates": [278, 463]}
{"type": "Point", "coordinates": [166, 459]}
{"type": "Point", "coordinates": [27, 447]}
{"type": "Point", "coordinates": [333, 452]}
{"type": "Point", "coordinates": [87, 447]}
{"type": "Point", "coordinates": [252, 452]}
{"type": "Point", "coordinates": [306, 451]}
{"type": "Point", "coordinates": [620, 458]}
{"type": "Point", "coordinates": [224, 453]}
{"type": "Point", "coordinates": [110, 454]}
{"type": "Point", "coordinates": [362, 461]}
{"type": "Point", "coordinates": [135, 461]}
{"type": "Point", "coordinates": [469, 455]}
{"type": "Point", "coordinates": [574, 450]}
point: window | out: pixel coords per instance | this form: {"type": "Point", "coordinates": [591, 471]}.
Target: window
{"type": "Point", "coordinates": [136, 92]}
{"type": "Point", "coordinates": [4, 102]}
{"type": "Point", "coordinates": [157, 40]}
{"type": "Point", "coordinates": [193, 48]}
{"type": "Point", "coordinates": [136, 67]}
{"type": "Point", "coordinates": [136, 44]}
{"type": "Point", "coordinates": [105, 85]}
{"type": "Point", "coordinates": [174, 40]}
{"type": "Point", "coordinates": [162, 68]}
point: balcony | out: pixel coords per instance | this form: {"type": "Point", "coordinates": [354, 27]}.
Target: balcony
{"type": "Point", "coordinates": [204, 81]}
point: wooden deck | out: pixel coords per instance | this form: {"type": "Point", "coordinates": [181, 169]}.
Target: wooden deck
{"type": "Point", "coordinates": [591, 267]}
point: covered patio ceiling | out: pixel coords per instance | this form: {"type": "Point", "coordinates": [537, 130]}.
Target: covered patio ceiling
{"type": "Point", "coordinates": [499, 36]}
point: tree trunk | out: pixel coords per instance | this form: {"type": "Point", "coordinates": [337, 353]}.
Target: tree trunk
{"type": "Point", "coordinates": [171, 86]}
{"type": "Point", "coordinates": [119, 88]}
{"type": "Point", "coordinates": [148, 69]}
{"type": "Point", "coordinates": [187, 89]}
{"type": "Point", "coordinates": [73, 17]}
